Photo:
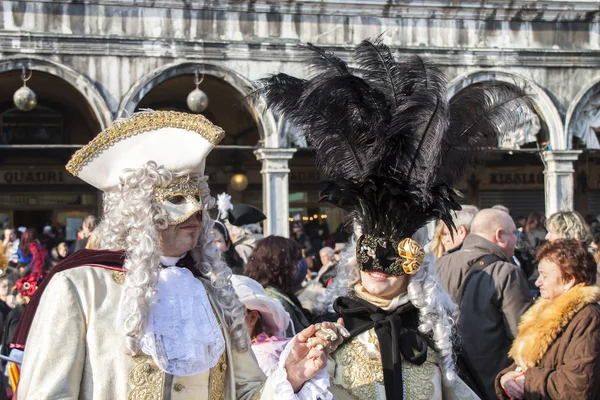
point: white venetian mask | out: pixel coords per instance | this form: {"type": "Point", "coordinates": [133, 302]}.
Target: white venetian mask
{"type": "Point", "coordinates": [181, 199]}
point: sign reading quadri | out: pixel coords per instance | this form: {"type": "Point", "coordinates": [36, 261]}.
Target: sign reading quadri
{"type": "Point", "coordinates": [37, 176]}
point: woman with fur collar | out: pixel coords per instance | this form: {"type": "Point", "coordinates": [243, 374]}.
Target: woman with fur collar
{"type": "Point", "coordinates": [557, 350]}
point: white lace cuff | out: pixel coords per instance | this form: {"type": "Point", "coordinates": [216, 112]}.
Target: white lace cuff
{"type": "Point", "coordinates": [315, 388]}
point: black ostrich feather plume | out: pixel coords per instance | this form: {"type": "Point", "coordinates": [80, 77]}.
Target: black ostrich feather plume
{"type": "Point", "coordinates": [387, 137]}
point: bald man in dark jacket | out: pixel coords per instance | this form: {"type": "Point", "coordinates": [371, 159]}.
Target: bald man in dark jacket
{"type": "Point", "coordinates": [492, 298]}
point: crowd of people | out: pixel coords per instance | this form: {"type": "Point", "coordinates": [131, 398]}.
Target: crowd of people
{"type": "Point", "coordinates": [499, 257]}
{"type": "Point", "coordinates": [23, 251]}
{"type": "Point", "coordinates": [26, 255]}
{"type": "Point", "coordinates": [494, 270]}
{"type": "Point", "coordinates": [487, 264]}
{"type": "Point", "coordinates": [165, 298]}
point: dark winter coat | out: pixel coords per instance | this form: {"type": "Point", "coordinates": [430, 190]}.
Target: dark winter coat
{"type": "Point", "coordinates": [492, 304]}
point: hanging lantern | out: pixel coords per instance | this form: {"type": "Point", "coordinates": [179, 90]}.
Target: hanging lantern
{"type": "Point", "coordinates": [24, 98]}
{"type": "Point", "coordinates": [239, 182]}
{"type": "Point", "coordinates": [197, 100]}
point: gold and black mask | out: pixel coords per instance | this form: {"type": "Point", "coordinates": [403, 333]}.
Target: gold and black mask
{"type": "Point", "coordinates": [380, 254]}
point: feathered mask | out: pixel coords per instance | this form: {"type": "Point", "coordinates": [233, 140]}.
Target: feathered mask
{"type": "Point", "coordinates": [391, 143]}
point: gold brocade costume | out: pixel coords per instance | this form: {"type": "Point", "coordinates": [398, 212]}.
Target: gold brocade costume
{"type": "Point", "coordinates": [356, 374]}
{"type": "Point", "coordinates": [91, 361]}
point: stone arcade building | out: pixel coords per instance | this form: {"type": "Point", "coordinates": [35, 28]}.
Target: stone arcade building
{"type": "Point", "coordinates": [94, 61]}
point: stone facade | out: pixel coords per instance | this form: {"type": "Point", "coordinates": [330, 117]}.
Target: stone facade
{"type": "Point", "coordinates": [115, 52]}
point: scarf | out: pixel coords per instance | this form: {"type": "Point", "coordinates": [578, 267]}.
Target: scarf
{"type": "Point", "coordinates": [397, 333]}
{"type": "Point", "coordinates": [385, 304]}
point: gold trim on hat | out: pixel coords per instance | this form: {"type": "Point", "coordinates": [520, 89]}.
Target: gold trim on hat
{"type": "Point", "coordinates": [144, 122]}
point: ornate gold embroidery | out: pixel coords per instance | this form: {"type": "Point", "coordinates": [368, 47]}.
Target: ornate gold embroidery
{"type": "Point", "coordinates": [218, 373]}
{"type": "Point", "coordinates": [418, 379]}
{"type": "Point", "coordinates": [218, 378]}
{"type": "Point", "coordinates": [118, 277]}
{"type": "Point", "coordinates": [367, 248]}
{"type": "Point", "coordinates": [361, 374]}
{"type": "Point", "coordinates": [147, 379]}
{"type": "Point", "coordinates": [143, 122]}
{"type": "Point", "coordinates": [258, 393]}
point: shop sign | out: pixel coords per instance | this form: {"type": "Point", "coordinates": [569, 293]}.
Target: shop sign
{"type": "Point", "coordinates": [37, 176]}
{"type": "Point", "coordinates": [305, 175]}
{"type": "Point", "coordinates": [516, 178]}
{"type": "Point", "coordinates": [525, 178]}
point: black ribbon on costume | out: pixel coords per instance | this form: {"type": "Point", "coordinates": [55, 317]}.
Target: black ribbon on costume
{"type": "Point", "coordinates": [188, 262]}
{"type": "Point", "coordinates": [398, 336]}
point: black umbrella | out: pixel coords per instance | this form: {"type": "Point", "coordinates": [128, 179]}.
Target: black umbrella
{"type": "Point", "coordinates": [244, 214]}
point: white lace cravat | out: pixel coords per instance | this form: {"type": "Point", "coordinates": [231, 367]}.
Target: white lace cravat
{"type": "Point", "coordinates": [182, 333]}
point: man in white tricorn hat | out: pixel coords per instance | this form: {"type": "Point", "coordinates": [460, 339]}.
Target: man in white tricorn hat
{"type": "Point", "coordinates": [153, 315]}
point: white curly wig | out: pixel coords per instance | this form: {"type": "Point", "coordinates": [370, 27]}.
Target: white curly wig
{"type": "Point", "coordinates": [132, 221]}
{"type": "Point", "coordinates": [437, 311]}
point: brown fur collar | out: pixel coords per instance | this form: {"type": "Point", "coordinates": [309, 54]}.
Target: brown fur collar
{"type": "Point", "coordinates": [545, 320]}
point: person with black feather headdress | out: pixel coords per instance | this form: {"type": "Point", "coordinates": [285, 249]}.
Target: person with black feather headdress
{"type": "Point", "coordinates": [392, 146]}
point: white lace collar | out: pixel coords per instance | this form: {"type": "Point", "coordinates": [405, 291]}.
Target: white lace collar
{"type": "Point", "coordinates": [182, 333]}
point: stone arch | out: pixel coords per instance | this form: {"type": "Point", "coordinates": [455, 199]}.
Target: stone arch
{"type": "Point", "coordinates": [264, 118]}
{"type": "Point", "coordinates": [544, 106]}
{"type": "Point", "coordinates": [78, 81]}
{"type": "Point", "coordinates": [577, 105]}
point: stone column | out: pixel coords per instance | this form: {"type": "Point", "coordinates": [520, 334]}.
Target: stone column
{"type": "Point", "coordinates": [275, 189]}
{"type": "Point", "coordinates": [559, 180]}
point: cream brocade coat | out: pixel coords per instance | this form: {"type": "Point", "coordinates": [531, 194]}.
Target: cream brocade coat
{"type": "Point", "coordinates": [76, 351]}
{"type": "Point", "coordinates": [356, 374]}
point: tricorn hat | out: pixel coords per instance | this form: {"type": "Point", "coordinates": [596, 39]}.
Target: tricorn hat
{"type": "Point", "coordinates": [175, 140]}
{"type": "Point", "coordinates": [245, 214]}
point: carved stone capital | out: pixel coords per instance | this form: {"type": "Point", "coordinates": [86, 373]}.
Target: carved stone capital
{"type": "Point", "coordinates": [274, 161]}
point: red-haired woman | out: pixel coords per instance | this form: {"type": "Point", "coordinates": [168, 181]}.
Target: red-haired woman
{"type": "Point", "coordinates": [272, 264]}
{"type": "Point", "coordinates": [557, 350]}
{"type": "Point", "coordinates": [32, 253]}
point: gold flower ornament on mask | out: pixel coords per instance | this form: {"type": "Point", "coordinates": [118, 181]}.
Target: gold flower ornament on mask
{"type": "Point", "coordinates": [411, 254]}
